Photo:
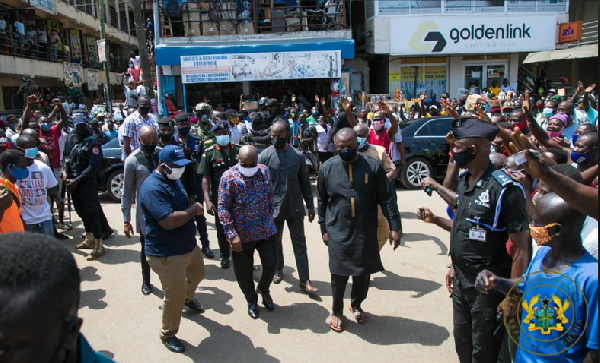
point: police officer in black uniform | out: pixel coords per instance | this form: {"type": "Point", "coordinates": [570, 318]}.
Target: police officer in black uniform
{"type": "Point", "coordinates": [85, 158]}
{"type": "Point", "coordinates": [262, 121]}
{"type": "Point", "coordinates": [489, 208]}
{"type": "Point", "coordinates": [96, 131]}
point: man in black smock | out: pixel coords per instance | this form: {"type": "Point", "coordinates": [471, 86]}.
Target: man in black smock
{"type": "Point", "coordinates": [489, 208]}
{"type": "Point", "coordinates": [350, 187]}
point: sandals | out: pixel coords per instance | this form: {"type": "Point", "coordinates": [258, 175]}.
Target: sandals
{"type": "Point", "coordinates": [360, 316]}
{"type": "Point", "coordinates": [336, 323]}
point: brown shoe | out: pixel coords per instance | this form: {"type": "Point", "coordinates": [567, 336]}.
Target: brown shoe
{"type": "Point", "coordinates": [97, 251]}
{"type": "Point", "coordinates": [308, 287]}
{"type": "Point", "coordinates": [88, 243]}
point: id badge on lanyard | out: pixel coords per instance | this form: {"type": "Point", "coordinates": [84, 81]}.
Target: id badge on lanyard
{"type": "Point", "coordinates": [477, 233]}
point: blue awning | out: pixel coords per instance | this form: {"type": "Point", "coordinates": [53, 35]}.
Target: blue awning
{"type": "Point", "coordinates": [168, 54]}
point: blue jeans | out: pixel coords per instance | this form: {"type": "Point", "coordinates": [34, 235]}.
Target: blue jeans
{"type": "Point", "coordinates": [45, 227]}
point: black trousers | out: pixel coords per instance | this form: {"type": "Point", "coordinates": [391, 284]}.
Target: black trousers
{"type": "Point", "coordinates": [478, 334]}
{"type": "Point", "coordinates": [103, 221]}
{"type": "Point", "coordinates": [87, 206]}
{"type": "Point", "coordinates": [296, 227]}
{"type": "Point", "coordinates": [145, 265]}
{"type": "Point", "coordinates": [243, 266]}
{"type": "Point", "coordinates": [360, 287]}
{"type": "Point", "coordinates": [221, 238]}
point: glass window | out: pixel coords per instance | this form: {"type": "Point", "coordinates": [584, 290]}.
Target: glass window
{"type": "Point", "coordinates": [393, 7]}
{"type": "Point", "coordinates": [520, 5]}
{"type": "Point", "coordinates": [431, 79]}
{"type": "Point", "coordinates": [552, 5]}
{"type": "Point", "coordinates": [423, 131]}
{"type": "Point", "coordinates": [439, 127]}
{"type": "Point", "coordinates": [458, 5]}
{"type": "Point", "coordinates": [473, 76]}
{"type": "Point", "coordinates": [495, 73]}
{"type": "Point", "coordinates": [426, 6]}
{"type": "Point", "coordinates": [489, 6]}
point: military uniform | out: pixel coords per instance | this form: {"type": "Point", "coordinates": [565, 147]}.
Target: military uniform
{"type": "Point", "coordinates": [205, 134]}
{"type": "Point", "coordinates": [214, 163]}
{"type": "Point", "coordinates": [27, 89]}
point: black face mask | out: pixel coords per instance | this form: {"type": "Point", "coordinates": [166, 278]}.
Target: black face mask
{"type": "Point", "coordinates": [144, 110]}
{"type": "Point", "coordinates": [463, 158]}
{"type": "Point", "coordinates": [348, 154]}
{"type": "Point", "coordinates": [166, 138]}
{"type": "Point", "coordinates": [81, 132]}
{"type": "Point", "coordinates": [184, 130]}
{"type": "Point", "coordinates": [279, 142]}
{"type": "Point", "coordinates": [148, 149]}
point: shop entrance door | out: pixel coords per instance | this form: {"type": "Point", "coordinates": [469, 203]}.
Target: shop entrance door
{"type": "Point", "coordinates": [474, 77]}
{"type": "Point", "coordinates": [484, 75]}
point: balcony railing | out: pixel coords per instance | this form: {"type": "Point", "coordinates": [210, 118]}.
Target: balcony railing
{"type": "Point", "coordinates": [202, 18]}
{"type": "Point", "coordinates": [116, 18]}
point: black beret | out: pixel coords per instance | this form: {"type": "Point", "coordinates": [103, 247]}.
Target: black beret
{"type": "Point", "coordinates": [182, 117]}
{"type": "Point", "coordinates": [471, 127]}
{"type": "Point", "coordinates": [220, 126]}
{"type": "Point", "coordinates": [166, 121]}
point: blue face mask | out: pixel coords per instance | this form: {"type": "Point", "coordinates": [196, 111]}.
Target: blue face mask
{"type": "Point", "coordinates": [45, 127]}
{"type": "Point", "coordinates": [579, 158]}
{"type": "Point", "coordinates": [18, 173]}
{"type": "Point", "coordinates": [547, 112]}
{"type": "Point", "coordinates": [31, 153]}
{"type": "Point", "coordinates": [361, 142]}
{"type": "Point", "coordinates": [222, 140]}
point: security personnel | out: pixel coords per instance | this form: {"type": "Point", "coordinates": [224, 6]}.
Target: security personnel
{"type": "Point", "coordinates": [166, 136]}
{"type": "Point", "coordinates": [215, 161]}
{"type": "Point", "coordinates": [97, 131]}
{"type": "Point", "coordinates": [85, 158]}
{"type": "Point", "coordinates": [489, 208]}
{"type": "Point", "coordinates": [195, 149]}
{"type": "Point", "coordinates": [204, 126]}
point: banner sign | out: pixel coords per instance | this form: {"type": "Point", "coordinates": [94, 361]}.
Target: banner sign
{"type": "Point", "coordinates": [92, 79]}
{"type": "Point", "coordinates": [472, 34]}
{"type": "Point", "coordinates": [260, 66]}
{"type": "Point", "coordinates": [92, 51]}
{"type": "Point", "coordinates": [75, 42]}
{"type": "Point", "coordinates": [101, 50]}
{"type": "Point", "coordinates": [73, 74]}
{"type": "Point", "coordinates": [45, 5]}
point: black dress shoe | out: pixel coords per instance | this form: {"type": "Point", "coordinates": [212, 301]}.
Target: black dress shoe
{"type": "Point", "coordinates": [267, 300]}
{"type": "Point", "coordinates": [277, 277]}
{"type": "Point", "coordinates": [146, 289]}
{"type": "Point", "coordinates": [225, 262]}
{"type": "Point", "coordinates": [207, 252]}
{"type": "Point", "coordinates": [195, 305]}
{"type": "Point", "coordinates": [174, 345]}
{"type": "Point", "coordinates": [107, 234]}
{"type": "Point", "coordinates": [253, 311]}
{"type": "Point", "coordinates": [61, 236]}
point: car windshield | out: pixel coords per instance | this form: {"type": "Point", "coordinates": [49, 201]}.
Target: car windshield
{"type": "Point", "coordinates": [114, 143]}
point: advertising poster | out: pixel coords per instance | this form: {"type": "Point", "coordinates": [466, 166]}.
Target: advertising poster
{"type": "Point", "coordinates": [73, 74]}
{"type": "Point", "coordinates": [92, 51]}
{"type": "Point", "coordinates": [75, 42]}
{"type": "Point", "coordinates": [45, 5]}
{"type": "Point", "coordinates": [92, 79]}
{"type": "Point", "coordinates": [345, 84]}
{"type": "Point", "coordinates": [260, 66]}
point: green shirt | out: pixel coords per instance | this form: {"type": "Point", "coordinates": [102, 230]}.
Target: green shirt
{"type": "Point", "coordinates": [214, 163]}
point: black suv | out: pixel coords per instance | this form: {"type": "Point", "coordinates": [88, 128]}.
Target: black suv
{"type": "Point", "coordinates": [112, 179]}
{"type": "Point", "coordinates": [426, 149]}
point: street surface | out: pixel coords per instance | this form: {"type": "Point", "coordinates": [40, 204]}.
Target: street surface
{"type": "Point", "coordinates": [410, 313]}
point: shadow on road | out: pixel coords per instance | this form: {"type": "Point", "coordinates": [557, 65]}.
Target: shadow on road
{"type": "Point", "coordinates": [300, 316]}
{"type": "Point", "coordinates": [89, 273]}
{"type": "Point", "coordinates": [93, 299]}
{"type": "Point", "coordinates": [421, 237]}
{"type": "Point", "coordinates": [394, 282]}
{"type": "Point", "coordinates": [213, 298]}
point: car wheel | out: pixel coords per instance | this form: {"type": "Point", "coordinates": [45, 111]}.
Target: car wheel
{"type": "Point", "coordinates": [413, 173]}
{"type": "Point", "coordinates": [114, 185]}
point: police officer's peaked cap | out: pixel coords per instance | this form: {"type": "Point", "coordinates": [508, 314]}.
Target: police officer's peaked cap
{"type": "Point", "coordinates": [182, 117]}
{"type": "Point", "coordinates": [166, 121]}
{"type": "Point", "coordinates": [471, 127]}
{"type": "Point", "coordinates": [220, 126]}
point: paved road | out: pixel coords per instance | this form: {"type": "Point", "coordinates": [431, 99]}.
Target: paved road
{"type": "Point", "coordinates": [410, 312]}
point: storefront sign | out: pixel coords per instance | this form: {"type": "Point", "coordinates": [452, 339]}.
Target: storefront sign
{"type": "Point", "coordinates": [92, 79]}
{"type": "Point", "coordinates": [472, 34]}
{"type": "Point", "coordinates": [45, 5]}
{"type": "Point", "coordinates": [260, 66]}
{"type": "Point", "coordinates": [101, 50]}
{"type": "Point", "coordinates": [394, 76]}
{"type": "Point", "coordinates": [569, 32]}
{"type": "Point", "coordinates": [73, 74]}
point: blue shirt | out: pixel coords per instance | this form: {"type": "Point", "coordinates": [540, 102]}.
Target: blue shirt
{"type": "Point", "coordinates": [294, 130]}
{"type": "Point", "coordinates": [159, 198]}
{"type": "Point", "coordinates": [88, 355]}
{"type": "Point", "coordinates": [548, 325]}
{"type": "Point", "coordinates": [111, 135]}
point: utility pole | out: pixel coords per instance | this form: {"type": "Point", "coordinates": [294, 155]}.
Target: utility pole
{"type": "Point", "coordinates": [140, 32]}
{"type": "Point", "coordinates": [106, 85]}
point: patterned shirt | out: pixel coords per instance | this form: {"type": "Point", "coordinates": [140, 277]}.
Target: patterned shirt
{"type": "Point", "coordinates": [245, 204]}
{"type": "Point", "coordinates": [132, 125]}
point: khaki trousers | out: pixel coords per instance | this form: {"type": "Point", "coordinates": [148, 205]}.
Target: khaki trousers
{"type": "Point", "coordinates": [179, 276]}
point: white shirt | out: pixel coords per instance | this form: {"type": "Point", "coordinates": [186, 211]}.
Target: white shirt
{"type": "Point", "coordinates": [394, 151]}
{"type": "Point", "coordinates": [120, 138]}
{"type": "Point", "coordinates": [236, 135]}
{"type": "Point", "coordinates": [34, 193]}
{"type": "Point", "coordinates": [141, 90]}
{"type": "Point", "coordinates": [131, 102]}
{"type": "Point", "coordinates": [322, 137]}
{"type": "Point", "coordinates": [62, 140]}
{"type": "Point", "coordinates": [42, 37]}
{"type": "Point", "coordinates": [506, 88]}
{"type": "Point", "coordinates": [67, 107]}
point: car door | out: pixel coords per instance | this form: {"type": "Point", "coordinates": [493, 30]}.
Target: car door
{"type": "Point", "coordinates": [436, 143]}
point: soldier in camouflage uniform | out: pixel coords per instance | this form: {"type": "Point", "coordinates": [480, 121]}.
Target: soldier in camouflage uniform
{"type": "Point", "coordinates": [27, 88]}
{"type": "Point", "coordinates": [203, 128]}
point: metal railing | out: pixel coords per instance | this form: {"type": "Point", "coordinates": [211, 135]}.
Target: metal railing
{"type": "Point", "coordinates": [114, 16]}
{"type": "Point", "coordinates": [202, 18]}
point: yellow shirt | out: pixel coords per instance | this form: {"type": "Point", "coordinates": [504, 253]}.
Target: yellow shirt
{"type": "Point", "coordinates": [496, 91]}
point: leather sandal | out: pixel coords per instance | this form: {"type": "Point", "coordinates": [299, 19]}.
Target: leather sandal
{"type": "Point", "coordinates": [360, 316]}
{"type": "Point", "coordinates": [336, 322]}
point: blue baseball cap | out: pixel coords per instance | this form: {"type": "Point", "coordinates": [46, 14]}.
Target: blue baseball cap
{"type": "Point", "coordinates": [174, 154]}
{"type": "Point", "coordinates": [80, 119]}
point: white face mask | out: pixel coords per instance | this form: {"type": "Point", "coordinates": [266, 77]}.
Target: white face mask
{"type": "Point", "coordinates": [176, 173]}
{"type": "Point", "coordinates": [249, 172]}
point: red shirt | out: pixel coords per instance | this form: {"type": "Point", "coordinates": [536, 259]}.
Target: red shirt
{"type": "Point", "coordinates": [382, 139]}
{"type": "Point", "coordinates": [50, 142]}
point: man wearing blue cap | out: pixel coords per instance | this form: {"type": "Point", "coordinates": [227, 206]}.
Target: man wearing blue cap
{"type": "Point", "coordinates": [170, 239]}
{"type": "Point", "coordinates": [489, 208]}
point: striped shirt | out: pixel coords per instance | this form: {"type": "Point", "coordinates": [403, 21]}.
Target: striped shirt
{"type": "Point", "coordinates": [132, 125]}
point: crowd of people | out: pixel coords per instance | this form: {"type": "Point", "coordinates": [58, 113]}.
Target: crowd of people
{"type": "Point", "coordinates": [521, 189]}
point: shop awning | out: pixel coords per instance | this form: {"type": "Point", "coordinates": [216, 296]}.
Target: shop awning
{"type": "Point", "coordinates": [583, 51]}
{"type": "Point", "coordinates": [169, 54]}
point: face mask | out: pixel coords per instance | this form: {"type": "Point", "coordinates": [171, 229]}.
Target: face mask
{"type": "Point", "coordinates": [176, 173]}
{"type": "Point", "coordinates": [31, 153]}
{"type": "Point", "coordinates": [361, 142]}
{"type": "Point", "coordinates": [348, 154]}
{"type": "Point", "coordinates": [204, 118]}
{"type": "Point", "coordinates": [166, 138]}
{"type": "Point", "coordinates": [555, 134]}
{"type": "Point", "coordinates": [463, 158]}
{"type": "Point", "coordinates": [45, 127]}
{"type": "Point", "coordinates": [81, 132]}
{"type": "Point", "coordinates": [579, 158]}
{"type": "Point", "coordinates": [184, 130]}
{"type": "Point", "coordinates": [248, 172]}
{"type": "Point", "coordinates": [279, 142]}
{"type": "Point", "coordinates": [547, 111]}
{"type": "Point", "coordinates": [574, 138]}
{"type": "Point", "coordinates": [148, 149]}
{"type": "Point", "coordinates": [18, 173]}
{"type": "Point", "coordinates": [540, 235]}
{"type": "Point", "coordinates": [144, 110]}
{"type": "Point", "coordinates": [222, 140]}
